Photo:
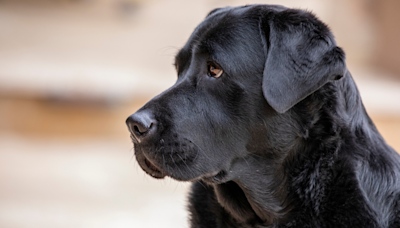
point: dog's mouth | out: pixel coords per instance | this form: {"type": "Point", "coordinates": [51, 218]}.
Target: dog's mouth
{"type": "Point", "coordinates": [153, 170]}
{"type": "Point", "coordinates": [150, 168]}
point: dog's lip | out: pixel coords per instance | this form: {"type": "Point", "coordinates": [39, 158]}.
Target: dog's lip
{"type": "Point", "coordinates": [149, 167]}
{"type": "Point", "coordinates": [153, 170]}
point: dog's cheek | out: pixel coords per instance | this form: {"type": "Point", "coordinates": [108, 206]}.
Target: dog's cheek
{"type": "Point", "coordinates": [231, 99]}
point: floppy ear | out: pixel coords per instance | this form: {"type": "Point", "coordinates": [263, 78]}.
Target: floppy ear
{"type": "Point", "coordinates": [301, 56]}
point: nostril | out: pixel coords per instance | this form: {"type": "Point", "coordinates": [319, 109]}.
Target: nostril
{"type": "Point", "coordinates": [136, 129]}
{"type": "Point", "coordinates": [141, 129]}
{"type": "Point", "coordinates": [140, 123]}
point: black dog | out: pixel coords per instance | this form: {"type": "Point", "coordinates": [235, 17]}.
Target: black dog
{"type": "Point", "coordinates": [267, 123]}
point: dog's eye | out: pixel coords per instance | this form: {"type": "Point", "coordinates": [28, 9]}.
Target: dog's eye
{"type": "Point", "coordinates": [214, 70]}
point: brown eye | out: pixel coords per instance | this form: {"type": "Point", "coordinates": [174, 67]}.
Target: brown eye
{"type": "Point", "coordinates": [214, 71]}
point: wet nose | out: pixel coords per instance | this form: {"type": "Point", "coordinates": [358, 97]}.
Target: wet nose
{"type": "Point", "coordinates": [141, 124]}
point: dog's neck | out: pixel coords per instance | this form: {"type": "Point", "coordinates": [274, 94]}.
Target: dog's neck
{"type": "Point", "coordinates": [253, 197]}
{"type": "Point", "coordinates": [263, 193]}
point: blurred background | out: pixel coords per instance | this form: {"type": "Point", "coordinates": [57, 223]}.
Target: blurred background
{"type": "Point", "coordinates": [71, 71]}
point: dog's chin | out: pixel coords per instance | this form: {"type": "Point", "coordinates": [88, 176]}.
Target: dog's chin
{"type": "Point", "coordinates": [215, 177]}
{"type": "Point", "coordinates": [190, 169]}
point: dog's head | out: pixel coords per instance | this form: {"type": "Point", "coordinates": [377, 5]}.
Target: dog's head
{"type": "Point", "coordinates": [239, 76]}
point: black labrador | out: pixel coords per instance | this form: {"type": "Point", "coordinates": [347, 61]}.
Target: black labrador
{"type": "Point", "coordinates": [267, 122]}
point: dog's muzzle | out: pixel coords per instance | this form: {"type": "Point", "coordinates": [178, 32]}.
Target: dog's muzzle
{"type": "Point", "coordinates": [142, 125]}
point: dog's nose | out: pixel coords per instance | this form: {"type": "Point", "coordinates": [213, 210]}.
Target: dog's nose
{"type": "Point", "coordinates": [141, 124]}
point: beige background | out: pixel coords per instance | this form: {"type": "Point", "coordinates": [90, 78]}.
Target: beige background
{"type": "Point", "coordinates": [71, 71]}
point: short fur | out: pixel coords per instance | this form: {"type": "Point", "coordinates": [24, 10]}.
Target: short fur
{"type": "Point", "coordinates": [281, 139]}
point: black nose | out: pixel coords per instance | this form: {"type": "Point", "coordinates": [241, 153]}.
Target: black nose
{"type": "Point", "coordinates": [141, 124]}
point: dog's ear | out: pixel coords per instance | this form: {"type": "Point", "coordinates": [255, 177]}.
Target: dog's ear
{"type": "Point", "coordinates": [301, 56]}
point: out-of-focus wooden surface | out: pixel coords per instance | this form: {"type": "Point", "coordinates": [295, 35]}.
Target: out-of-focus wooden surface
{"type": "Point", "coordinates": [44, 118]}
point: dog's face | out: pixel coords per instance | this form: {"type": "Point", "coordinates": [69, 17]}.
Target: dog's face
{"type": "Point", "coordinates": [238, 74]}
{"type": "Point", "coordinates": [203, 122]}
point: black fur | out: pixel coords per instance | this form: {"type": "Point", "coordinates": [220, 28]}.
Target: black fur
{"type": "Point", "coordinates": [281, 139]}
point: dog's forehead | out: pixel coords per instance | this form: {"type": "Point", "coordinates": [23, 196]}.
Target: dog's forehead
{"type": "Point", "coordinates": [207, 31]}
{"type": "Point", "coordinates": [223, 26]}
{"type": "Point", "coordinates": [220, 30]}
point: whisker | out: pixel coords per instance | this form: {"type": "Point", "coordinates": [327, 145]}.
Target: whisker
{"type": "Point", "coordinates": [189, 169]}
{"type": "Point", "coordinates": [163, 158]}
{"type": "Point", "coordinates": [246, 161]}
{"type": "Point", "coordinates": [199, 149]}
